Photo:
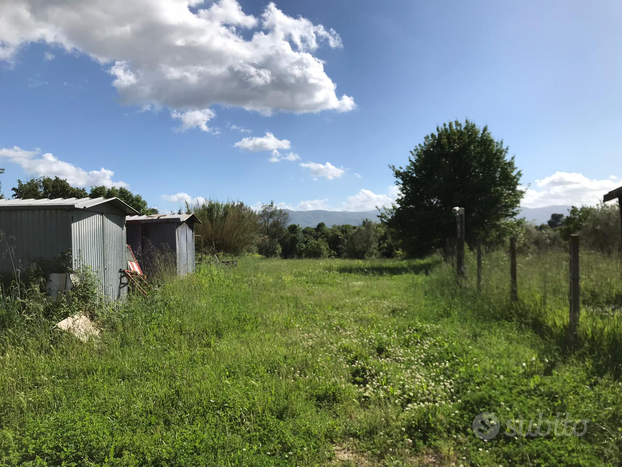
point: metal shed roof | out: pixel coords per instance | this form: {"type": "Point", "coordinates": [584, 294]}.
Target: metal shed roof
{"type": "Point", "coordinates": [65, 203]}
{"type": "Point", "coordinates": [179, 218]}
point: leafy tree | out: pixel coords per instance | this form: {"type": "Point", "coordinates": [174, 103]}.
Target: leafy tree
{"type": "Point", "coordinates": [555, 221]}
{"type": "Point", "coordinates": [292, 242]}
{"type": "Point", "coordinates": [388, 245]}
{"type": "Point", "coordinates": [47, 187]}
{"type": "Point", "coordinates": [125, 195]}
{"type": "Point", "coordinates": [362, 242]}
{"type": "Point", "coordinates": [315, 249]}
{"type": "Point", "coordinates": [272, 224]}
{"type": "Point", "coordinates": [337, 237]}
{"type": "Point", "coordinates": [574, 221]}
{"type": "Point", "coordinates": [459, 165]}
{"type": "Point", "coordinates": [601, 229]}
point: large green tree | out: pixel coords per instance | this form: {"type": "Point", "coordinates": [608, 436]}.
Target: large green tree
{"type": "Point", "coordinates": [47, 187]}
{"type": "Point", "coordinates": [51, 188]}
{"type": "Point", "coordinates": [459, 165]}
{"type": "Point", "coordinates": [134, 200]}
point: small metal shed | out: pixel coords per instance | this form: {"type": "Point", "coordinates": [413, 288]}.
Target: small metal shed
{"type": "Point", "coordinates": [163, 234]}
{"type": "Point", "coordinates": [66, 232]}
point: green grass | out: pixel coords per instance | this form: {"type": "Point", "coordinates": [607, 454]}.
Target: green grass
{"type": "Point", "coordinates": [321, 362]}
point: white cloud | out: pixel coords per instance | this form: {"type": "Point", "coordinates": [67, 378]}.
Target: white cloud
{"type": "Point", "coordinates": [174, 54]}
{"type": "Point", "coordinates": [327, 170]}
{"type": "Point", "coordinates": [239, 128]}
{"type": "Point", "coordinates": [48, 56]}
{"type": "Point", "coordinates": [183, 198]}
{"type": "Point", "coordinates": [358, 175]}
{"type": "Point", "coordinates": [269, 142]}
{"type": "Point", "coordinates": [37, 164]}
{"type": "Point", "coordinates": [366, 200]}
{"type": "Point", "coordinates": [312, 205]}
{"type": "Point", "coordinates": [563, 188]}
{"type": "Point", "coordinates": [194, 119]}
{"type": "Point", "coordinates": [278, 157]}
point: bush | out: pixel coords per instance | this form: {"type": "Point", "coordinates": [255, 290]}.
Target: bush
{"type": "Point", "coordinates": [315, 249]}
{"type": "Point", "coordinates": [229, 227]}
{"type": "Point", "coordinates": [601, 229]}
{"type": "Point", "coordinates": [362, 242]}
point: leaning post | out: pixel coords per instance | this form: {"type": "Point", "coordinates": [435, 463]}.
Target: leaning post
{"type": "Point", "coordinates": [575, 291]}
{"type": "Point", "coordinates": [513, 275]}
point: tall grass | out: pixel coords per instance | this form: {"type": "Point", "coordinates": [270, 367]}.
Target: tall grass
{"type": "Point", "coordinates": [314, 362]}
{"type": "Point", "coordinates": [543, 285]}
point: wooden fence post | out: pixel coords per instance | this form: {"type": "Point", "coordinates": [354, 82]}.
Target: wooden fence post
{"type": "Point", "coordinates": [513, 275]}
{"type": "Point", "coordinates": [479, 264]}
{"type": "Point", "coordinates": [575, 291]}
{"type": "Point", "coordinates": [461, 235]}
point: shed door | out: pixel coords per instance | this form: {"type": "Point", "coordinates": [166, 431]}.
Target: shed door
{"type": "Point", "coordinates": [87, 242]}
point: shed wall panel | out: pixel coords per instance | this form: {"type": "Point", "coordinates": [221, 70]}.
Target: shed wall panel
{"type": "Point", "coordinates": [33, 235]}
{"type": "Point", "coordinates": [88, 243]}
{"type": "Point", "coordinates": [114, 254]}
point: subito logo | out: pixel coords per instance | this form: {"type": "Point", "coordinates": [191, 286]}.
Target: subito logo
{"type": "Point", "coordinates": [486, 425]}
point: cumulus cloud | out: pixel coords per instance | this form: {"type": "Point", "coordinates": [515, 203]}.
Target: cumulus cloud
{"type": "Point", "coordinates": [564, 188]}
{"type": "Point", "coordinates": [367, 200]}
{"type": "Point", "coordinates": [327, 170]}
{"type": "Point", "coordinates": [182, 198]}
{"type": "Point", "coordinates": [48, 56]}
{"type": "Point", "coordinates": [269, 142]}
{"type": "Point", "coordinates": [36, 164]}
{"type": "Point", "coordinates": [194, 119]}
{"type": "Point", "coordinates": [278, 157]}
{"type": "Point", "coordinates": [312, 205]}
{"type": "Point", "coordinates": [176, 54]}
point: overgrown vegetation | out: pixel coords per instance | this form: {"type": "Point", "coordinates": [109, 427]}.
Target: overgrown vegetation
{"type": "Point", "coordinates": [374, 362]}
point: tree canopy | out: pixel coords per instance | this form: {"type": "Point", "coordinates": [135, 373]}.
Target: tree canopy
{"type": "Point", "coordinates": [47, 187]}
{"type": "Point", "coordinates": [51, 188]}
{"type": "Point", "coordinates": [459, 165]}
{"type": "Point", "coordinates": [125, 195]}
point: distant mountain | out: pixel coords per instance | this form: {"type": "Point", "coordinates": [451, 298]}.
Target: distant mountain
{"type": "Point", "coordinates": [330, 218]}
{"type": "Point", "coordinates": [542, 215]}
{"type": "Point", "coordinates": [312, 218]}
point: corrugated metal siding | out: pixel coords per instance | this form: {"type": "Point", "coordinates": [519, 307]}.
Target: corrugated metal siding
{"type": "Point", "coordinates": [114, 253]}
{"type": "Point", "coordinates": [191, 248]}
{"type": "Point", "coordinates": [185, 249]}
{"type": "Point", "coordinates": [88, 243]}
{"type": "Point", "coordinates": [98, 241]}
{"type": "Point", "coordinates": [182, 250]}
{"type": "Point", "coordinates": [31, 236]}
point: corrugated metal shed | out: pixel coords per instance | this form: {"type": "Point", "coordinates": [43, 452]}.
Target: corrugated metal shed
{"type": "Point", "coordinates": [60, 233]}
{"type": "Point", "coordinates": [164, 236]}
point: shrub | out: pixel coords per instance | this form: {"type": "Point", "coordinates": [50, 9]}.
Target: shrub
{"type": "Point", "coordinates": [229, 227]}
{"type": "Point", "coordinates": [362, 242]}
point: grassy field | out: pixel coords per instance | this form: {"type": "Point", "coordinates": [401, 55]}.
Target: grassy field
{"type": "Point", "coordinates": [323, 363]}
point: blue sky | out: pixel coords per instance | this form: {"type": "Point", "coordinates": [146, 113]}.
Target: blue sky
{"type": "Point", "coordinates": [154, 92]}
